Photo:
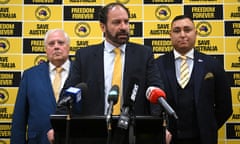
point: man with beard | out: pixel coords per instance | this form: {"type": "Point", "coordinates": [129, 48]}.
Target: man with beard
{"type": "Point", "coordinates": [94, 66]}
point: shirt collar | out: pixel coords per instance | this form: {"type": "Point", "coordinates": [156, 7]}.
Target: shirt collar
{"type": "Point", "coordinates": [188, 54]}
{"type": "Point", "coordinates": [109, 47]}
{"type": "Point", "coordinates": [65, 66]}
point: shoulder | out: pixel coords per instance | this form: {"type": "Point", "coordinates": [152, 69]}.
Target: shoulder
{"type": "Point", "coordinates": [90, 48]}
{"type": "Point", "coordinates": [89, 51]}
{"type": "Point", "coordinates": [132, 44]}
{"type": "Point", "coordinates": [36, 68]}
{"type": "Point", "coordinates": [209, 60]}
{"type": "Point", "coordinates": [165, 56]}
{"type": "Point", "coordinates": [139, 48]}
{"type": "Point", "coordinates": [206, 57]}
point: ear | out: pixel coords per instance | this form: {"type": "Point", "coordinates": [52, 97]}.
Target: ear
{"type": "Point", "coordinates": [102, 26]}
{"type": "Point", "coordinates": [170, 33]}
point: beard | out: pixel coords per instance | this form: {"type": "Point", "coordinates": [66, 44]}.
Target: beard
{"type": "Point", "coordinates": [119, 38]}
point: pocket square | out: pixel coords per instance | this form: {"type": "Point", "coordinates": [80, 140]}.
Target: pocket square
{"type": "Point", "coordinates": [209, 75]}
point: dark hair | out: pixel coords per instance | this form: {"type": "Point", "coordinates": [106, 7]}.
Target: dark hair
{"type": "Point", "coordinates": [104, 11]}
{"type": "Point", "coordinates": [179, 17]}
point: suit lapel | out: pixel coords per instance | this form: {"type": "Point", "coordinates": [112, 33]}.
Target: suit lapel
{"type": "Point", "coordinates": [171, 74]}
{"type": "Point", "coordinates": [198, 73]}
{"type": "Point", "coordinates": [129, 56]}
{"type": "Point", "coordinates": [44, 75]}
{"type": "Point", "coordinates": [99, 64]}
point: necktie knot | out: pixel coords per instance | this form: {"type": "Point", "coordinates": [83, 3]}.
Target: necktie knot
{"type": "Point", "coordinates": [117, 51]}
{"type": "Point", "coordinates": [183, 57]}
{"type": "Point", "coordinates": [59, 69]}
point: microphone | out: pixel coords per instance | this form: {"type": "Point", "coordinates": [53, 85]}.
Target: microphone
{"type": "Point", "coordinates": [156, 95]}
{"type": "Point", "coordinates": [112, 100]}
{"type": "Point", "coordinates": [124, 118]}
{"type": "Point", "coordinates": [73, 94]}
{"type": "Point", "coordinates": [132, 91]}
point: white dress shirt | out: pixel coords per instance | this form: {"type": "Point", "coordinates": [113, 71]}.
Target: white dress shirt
{"type": "Point", "coordinates": [190, 57]}
{"type": "Point", "coordinates": [109, 56]}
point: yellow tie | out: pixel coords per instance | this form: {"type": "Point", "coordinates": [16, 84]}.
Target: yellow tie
{"type": "Point", "coordinates": [184, 72]}
{"type": "Point", "coordinates": [117, 77]}
{"type": "Point", "coordinates": [57, 82]}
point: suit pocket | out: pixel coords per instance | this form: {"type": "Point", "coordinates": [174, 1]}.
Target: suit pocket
{"type": "Point", "coordinates": [208, 76]}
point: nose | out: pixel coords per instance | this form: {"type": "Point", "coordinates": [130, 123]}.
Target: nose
{"type": "Point", "coordinates": [124, 25]}
{"type": "Point", "coordinates": [56, 47]}
{"type": "Point", "coordinates": [182, 33]}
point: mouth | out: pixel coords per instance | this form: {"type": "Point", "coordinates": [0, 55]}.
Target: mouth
{"type": "Point", "coordinates": [183, 42]}
{"type": "Point", "coordinates": [57, 53]}
{"type": "Point", "coordinates": [123, 36]}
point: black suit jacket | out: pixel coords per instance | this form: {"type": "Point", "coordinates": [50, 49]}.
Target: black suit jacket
{"type": "Point", "coordinates": [212, 94]}
{"type": "Point", "coordinates": [88, 67]}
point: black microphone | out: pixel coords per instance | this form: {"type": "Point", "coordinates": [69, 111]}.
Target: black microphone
{"type": "Point", "coordinates": [132, 91]}
{"type": "Point", "coordinates": [112, 100]}
{"type": "Point", "coordinates": [156, 95]}
{"type": "Point", "coordinates": [73, 94]}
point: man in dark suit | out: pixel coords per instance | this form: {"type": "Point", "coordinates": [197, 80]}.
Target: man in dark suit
{"type": "Point", "coordinates": [35, 99]}
{"type": "Point", "coordinates": [94, 66]}
{"type": "Point", "coordinates": [204, 104]}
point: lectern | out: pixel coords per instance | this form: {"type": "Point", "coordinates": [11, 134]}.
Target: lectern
{"type": "Point", "coordinates": [93, 129]}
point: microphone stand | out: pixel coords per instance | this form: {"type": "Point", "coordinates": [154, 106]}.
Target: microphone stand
{"type": "Point", "coordinates": [132, 137]}
{"type": "Point", "coordinates": [68, 119]}
{"type": "Point", "coordinates": [164, 127]}
{"type": "Point", "coordinates": [109, 130]}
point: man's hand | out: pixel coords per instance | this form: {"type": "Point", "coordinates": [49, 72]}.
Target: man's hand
{"type": "Point", "coordinates": [168, 137]}
{"type": "Point", "coordinates": [50, 136]}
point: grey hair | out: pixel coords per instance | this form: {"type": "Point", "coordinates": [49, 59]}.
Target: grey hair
{"type": "Point", "coordinates": [54, 30]}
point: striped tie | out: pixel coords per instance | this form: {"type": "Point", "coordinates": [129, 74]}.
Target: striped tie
{"type": "Point", "coordinates": [117, 78]}
{"type": "Point", "coordinates": [184, 72]}
{"type": "Point", "coordinates": [57, 82]}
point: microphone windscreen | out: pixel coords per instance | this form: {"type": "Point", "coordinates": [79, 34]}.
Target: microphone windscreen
{"type": "Point", "coordinates": [113, 94]}
{"type": "Point", "coordinates": [84, 88]}
{"type": "Point", "coordinates": [154, 93]}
